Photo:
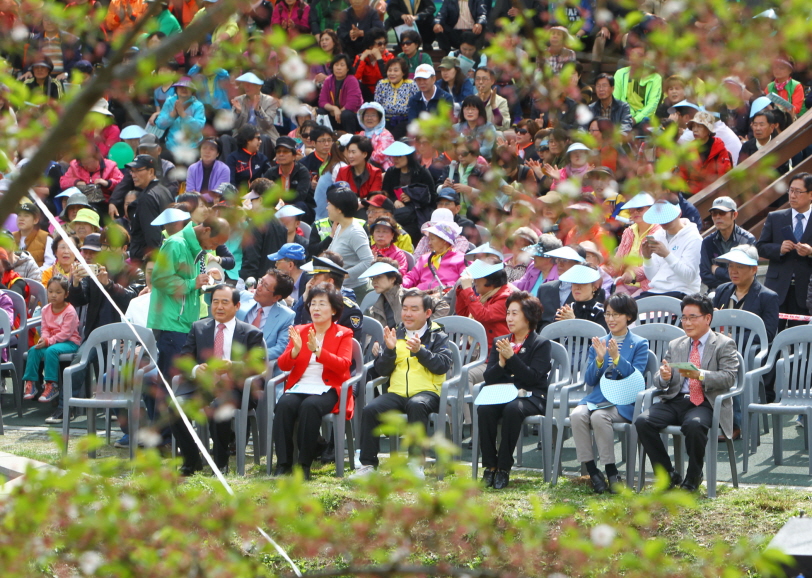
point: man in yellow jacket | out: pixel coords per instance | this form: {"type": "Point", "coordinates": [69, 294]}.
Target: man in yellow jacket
{"type": "Point", "coordinates": [416, 359]}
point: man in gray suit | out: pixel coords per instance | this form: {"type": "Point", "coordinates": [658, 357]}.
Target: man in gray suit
{"type": "Point", "coordinates": [689, 395]}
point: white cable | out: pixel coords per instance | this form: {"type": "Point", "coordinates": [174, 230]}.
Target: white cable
{"type": "Point", "coordinates": [62, 233]}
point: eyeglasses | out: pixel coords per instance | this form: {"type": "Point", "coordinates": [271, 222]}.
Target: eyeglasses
{"type": "Point", "coordinates": [797, 191]}
{"type": "Point", "coordinates": [613, 315]}
{"type": "Point", "coordinates": [325, 141]}
{"type": "Point", "coordinates": [406, 43]}
{"type": "Point", "coordinates": [257, 138]}
{"type": "Point", "coordinates": [684, 318]}
{"type": "Point", "coordinates": [465, 154]}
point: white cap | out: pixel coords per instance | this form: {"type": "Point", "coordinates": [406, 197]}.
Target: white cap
{"type": "Point", "coordinates": [424, 71]}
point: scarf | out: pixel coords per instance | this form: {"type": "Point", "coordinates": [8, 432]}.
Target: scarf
{"type": "Point", "coordinates": [485, 296]}
{"type": "Point", "coordinates": [573, 172]}
{"type": "Point", "coordinates": [436, 258]}
{"type": "Point", "coordinates": [779, 86]}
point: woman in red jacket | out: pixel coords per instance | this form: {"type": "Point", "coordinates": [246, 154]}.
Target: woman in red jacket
{"type": "Point", "coordinates": [360, 174]}
{"type": "Point", "coordinates": [318, 357]}
{"type": "Point", "coordinates": [714, 159]}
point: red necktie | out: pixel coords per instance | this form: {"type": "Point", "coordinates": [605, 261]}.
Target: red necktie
{"type": "Point", "coordinates": [694, 385]}
{"type": "Point", "coordinates": [219, 340]}
{"type": "Point", "coordinates": [257, 320]}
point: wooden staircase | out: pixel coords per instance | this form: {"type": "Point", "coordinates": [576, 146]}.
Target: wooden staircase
{"type": "Point", "coordinates": [755, 194]}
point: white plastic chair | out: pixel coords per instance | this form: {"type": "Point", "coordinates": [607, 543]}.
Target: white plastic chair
{"type": "Point", "coordinates": [659, 309]}
{"type": "Point", "coordinates": [659, 336]}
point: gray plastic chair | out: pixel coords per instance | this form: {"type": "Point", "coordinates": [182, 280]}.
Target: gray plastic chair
{"type": "Point", "coordinates": [559, 375]}
{"type": "Point", "coordinates": [659, 336]}
{"type": "Point", "coordinates": [794, 374]}
{"type": "Point", "coordinates": [19, 346]}
{"type": "Point", "coordinates": [409, 261]}
{"type": "Point", "coordinates": [367, 302]}
{"type": "Point", "coordinates": [371, 333]}
{"type": "Point", "coordinates": [306, 229]}
{"type": "Point", "coordinates": [713, 436]}
{"type": "Point", "coordinates": [37, 300]}
{"type": "Point", "coordinates": [120, 377]}
{"type": "Point", "coordinates": [5, 340]}
{"type": "Point", "coordinates": [472, 341]}
{"type": "Point", "coordinates": [342, 427]}
{"type": "Point", "coordinates": [659, 309]}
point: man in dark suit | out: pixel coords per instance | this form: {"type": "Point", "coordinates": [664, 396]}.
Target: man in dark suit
{"type": "Point", "coordinates": [746, 293]}
{"type": "Point", "coordinates": [220, 348]}
{"type": "Point", "coordinates": [555, 294]}
{"type": "Point", "coordinates": [786, 240]}
{"type": "Point", "coordinates": [690, 395]}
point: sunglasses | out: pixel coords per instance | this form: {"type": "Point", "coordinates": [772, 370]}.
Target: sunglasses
{"type": "Point", "coordinates": [381, 43]}
{"type": "Point", "coordinates": [406, 43]}
{"type": "Point", "coordinates": [465, 154]}
{"type": "Point", "coordinates": [521, 131]}
{"type": "Point", "coordinates": [306, 135]}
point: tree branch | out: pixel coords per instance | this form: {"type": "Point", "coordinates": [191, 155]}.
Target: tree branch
{"type": "Point", "coordinates": [387, 570]}
{"type": "Point", "coordinates": [74, 114]}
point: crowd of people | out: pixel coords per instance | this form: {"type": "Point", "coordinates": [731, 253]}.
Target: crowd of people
{"type": "Point", "coordinates": [223, 218]}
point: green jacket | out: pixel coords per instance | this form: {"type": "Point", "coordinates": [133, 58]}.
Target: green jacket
{"type": "Point", "coordinates": [654, 93]}
{"type": "Point", "coordinates": [175, 302]}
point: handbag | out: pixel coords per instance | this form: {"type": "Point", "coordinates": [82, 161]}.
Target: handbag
{"type": "Point", "coordinates": [93, 193]}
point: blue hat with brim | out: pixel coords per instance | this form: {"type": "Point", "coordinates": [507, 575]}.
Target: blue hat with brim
{"type": "Point", "coordinates": [623, 391]}
{"type": "Point", "coordinates": [292, 251]}
{"type": "Point", "coordinates": [580, 275]}
{"type": "Point", "coordinates": [682, 104]}
{"type": "Point", "coordinates": [131, 132]}
{"type": "Point", "coordinates": [170, 215]}
{"type": "Point", "coordinates": [289, 211]}
{"type": "Point", "coordinates": [739, 257]}
{"type": "Point", "coordinates": [250, 78]}
{"type": "Point", "coordinates": [398, 149]}
{"type": "Point", "coordinates": [484, 249]}
{"type": "Point", "coordinates": [480, 269]}
{"type": "Point", "coordinates": [68, 192]}
{"type": "Point", "coordinates": [662, 213]}
{"type": "Point", "coordinates": [565, 253]}
{"type": "Point", "coordinates": [639, 201]}
{"type": "Point", "coordinates": [378, 269]}
{"type": "Point", "coordinates": [759, 104]}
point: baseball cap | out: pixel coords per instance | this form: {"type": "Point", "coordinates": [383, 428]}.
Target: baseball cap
{"type": "Point", "coordinates": [92, 243]}
{"type": "Point", "coordinates": [292, 251]}
{"type": "Point", "coordinates": [381, 223]}
{"type": "Point", "coordinates": [28, 207]}
{"type": "Point", "coordinates": [724, 204]}
{"type": "Point", "coordinates": [287, 143]}
{"type": "Point", "coordinates": [142, 162]}
{"type": "Point", "coordinates": [424, 71]}
{"type": "Point", "coordinates": [149, 141]}
{"type": "Point", "coordinates": [449, 194]}
{"type": "Point", "coordinates": [449, 62]}
{"type": "Point", "coordinates": [380, 201]}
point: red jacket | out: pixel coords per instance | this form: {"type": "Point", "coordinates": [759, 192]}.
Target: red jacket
{"type": "Point", "coordinates": [700, 174]}
{"type": "Point", "coordinates": [491, 314]}
{"type": "Point", "coordinates": [336, 356]}
{"type": "Point", "coordinates": [374, 182]}
{"type": "Point", "coordinates": [107, 171]}
{"type": "Point", "coordinates": [369, 73]}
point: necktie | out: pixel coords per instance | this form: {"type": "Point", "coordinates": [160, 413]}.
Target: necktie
{"type": "Point", "coordinates": [799, 227]}
{"type": "Point", "coordinates": [694, 385]}
{"type": "Point", "coordinates": [219, 340]}
{"type": "Point", "coordinates": [258, 319]}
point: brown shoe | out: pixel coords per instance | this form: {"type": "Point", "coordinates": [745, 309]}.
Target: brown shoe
{"type": "Point", "coordinates": [737, 434]}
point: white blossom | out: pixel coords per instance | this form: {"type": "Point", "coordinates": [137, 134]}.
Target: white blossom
{"type": "Point", "coordinates": [89, 562]}
{"type": "Point", "coordinates": [223, 120]}
{"type": "Point", "coordinates": [602, 535]}
{"type": "Point", "coordinates": [583, 115]}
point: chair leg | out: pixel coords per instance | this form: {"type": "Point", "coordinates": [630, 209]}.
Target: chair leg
{"type": "Point", "coordinates": [107, 413]}
{"type": "Point", "coordinates": [731, 452]}
{"type": "Point", "coordinates": [746, 435]}
{"type": "Point", "coordinates": [808, 437]}
{"type": "Point", "coordinates": [257, 440]}
{"type": "Point", "coordinates": [641, 476]}
{"type": "Point", "coordinates": [339, 430]}
{"type": "Point", "coordinates": [711, 459]}
{"type": "Point", "coordinates": [269, 399]}
{"type": "Point", "coordinates": [559, 444]}
{"type": "Point", "coordinates": [239, 432]}
{"type": "Point", "coordinates": [678, 464]}
{"type": "Point", "coordinates": [778, 440]}
{"type": "Point", "coordinates": [631, 454]}
{"type": "Point", "coordinates": [132, 424]}
{"type": "Point", "coordinates": [65, 425]}
{"type": "Point", "coordinates": [475, 443]}
{"type": "Point", "coordinates": [351, 444]}
{"type": "Point", "coordinates": [91, 429]}
{"type": "Point", "coordinates": [17, 383]}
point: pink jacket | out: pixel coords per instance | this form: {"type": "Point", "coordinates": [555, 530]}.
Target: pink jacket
{"type": "Point", "coordinates": [451, 267]}
{"type": "Point", "coordinates": [299, 13]}
{"type": "Point", "coordinates": [107, 171]}
{"type": "Point", "coordinates": [60, 328]}
{"type": "Point", "coordinates": [393, 252]}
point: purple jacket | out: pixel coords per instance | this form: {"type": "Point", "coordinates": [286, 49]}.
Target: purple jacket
{"type": "Point", "coordinates": [531, 275]}
{"type": "Point", "coordinates": [350, 97]}
{"type": "Point", "coordinates": [220, 173]}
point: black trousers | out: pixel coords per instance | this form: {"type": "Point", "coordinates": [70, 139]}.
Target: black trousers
{"type": "Point", "coordinates": [790, 305]}
{"type": "Point", "coordinates": [417, 409]}
{"type": "Point", "coordinates": [220, 431]}
{"type": "Point", "coordinates": [451, 38]}
{"type": "Point", "coordinates": [512, 415]}
{"type": "Point", "coordinates": [695, 422]}
{"type": "Point", "coordinates": [309, 410]}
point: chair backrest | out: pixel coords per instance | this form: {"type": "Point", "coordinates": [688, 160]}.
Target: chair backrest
{"type": "Point", "coordinates": [468, 335]}
{"type": "Point", "coordinates": [305, 230]}
{"type": "Point", "coordinates": [745, 328]}
{"type": "Point", "coordinates": [576, 337]}
{"type": "Point", "coordinates": [560, 364]}
{"type": "Point", "coordinates": [367, 302]}
{"type": "Point", "coordinates": [794, 370]}
{"type": "Point", "coordinates": [652, 367]}
{"type": "Point", "coordinates": [126, 354]}
{"type": "Point", "coordinates": [20, 311]}
{"type": "Point", "coordinates": [484, 233]}
{"type": "Point", "coordinates": [659, 335]}
{"type": "Point", "coordinates": [409, 261]}
{"type": "Point", "coordinates": [5, 332]}
{"type": "Point", "coordinates": [659, 309]}
{"type": "Point", "coordinates": [38, 296]}
{"type": "Point", "coordinates": [371, 333]}
{"type": "Point", "coordinates": [456, 361]}
{"type": "Point", "coordinates": [357, 357]}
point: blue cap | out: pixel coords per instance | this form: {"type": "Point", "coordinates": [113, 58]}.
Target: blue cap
{"type": "Point", "coordinates": [132, 131]}
{"type": "Point", "coordinates": [292, 251]}
{"type": "Point", "coordinates": [378, 269]}
{"type": "Point", "coordinates": [759, 104]}
{"type": "Point", "coordinates": [639, 201]}
{"type": "Point", "coordinates": [737, 256]}
{"type": "Point", "coordinates": [682, 104]}
{"type": "Point", "coordinates": [661, 213]}
{"type": "Point", "coordinates": [170, 215]}
{"type": "Point", "coordinates": [68, 192]}
{"type": "Point", "coordinates": [566, 253]}
{"type": "Point", "coordinates": [484, 249]}
{"type": "Point", "coordinates": [289, 211]}
{"type": "Point", "coordinates": [398, 149]}
{"type": "Point", "coordinates": [479, 269]}
{"type": "Point", "coordinates": [250, 78]}
{"type": "Point", "coordinates": [580, 275]}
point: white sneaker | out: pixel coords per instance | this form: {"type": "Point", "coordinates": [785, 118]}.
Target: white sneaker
{"type": "Point", "coordinates": [417, 470]}
{"type": "Point", "coordinates": [362, 472]}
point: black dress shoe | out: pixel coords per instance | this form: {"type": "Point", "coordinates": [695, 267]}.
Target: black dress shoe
{"type": "Point", "coordinates": [282, 471]}
{"type": "Point", "coordinates": [501, 480]}
{"type": "Point", "coordinates": [187, 470]}
{"type": "Point", "coordinates": [306, 472]}
{"type": "Point", "coordinates": [224, 470]}
{"type": "Point", "coordinates": [691, 483]}
{"type": "Point", "coordinates": [599, 483]}
{"type": "Point", "coordinates": [676, 480]}
{"type": "Point", "coordinates": [487, 478]}
{"type": "Point", "coordinates": [614, 482]}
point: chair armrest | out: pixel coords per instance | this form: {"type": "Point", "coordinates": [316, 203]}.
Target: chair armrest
{"type": "Point", "coordinates": [35, 322]}
{"type": "Point", "coordinates": [67, 375]}
{"type": "Point", "coordinates": [270, 389]}
{"type": "Point", "coordinates": [246, 391]}
{"type": "Point", "coordinates": [371, 385]}
{"type": "Point", "coordinates": [346, 388]}
{"type": "Point", "coordinates": [648, 397]}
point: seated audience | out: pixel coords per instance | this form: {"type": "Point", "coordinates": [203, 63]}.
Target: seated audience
{"type": "Point", "coordinates": [587, 301]}
{"type": "Point", "coordinates": [265, 309]}
{"type": "Point", "coordinates": [384, 233]}
{"type": "Point", "coordinates": [440, 268]}
{"type": "Point", "coordinates": [727, 235]}
{"type": "Point", "coordinates": [555, 293]}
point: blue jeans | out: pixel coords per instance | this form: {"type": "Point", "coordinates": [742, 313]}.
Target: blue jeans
{"type": "Point", "coordinates": [50, 355]}
{"type": "Point", "coordinates": [325, 181]}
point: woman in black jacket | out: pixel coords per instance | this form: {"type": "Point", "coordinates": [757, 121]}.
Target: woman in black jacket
{"type": "Point", "coordinates": [406, 170]}
{"type": "Point", "coordinates": [523, 359]}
